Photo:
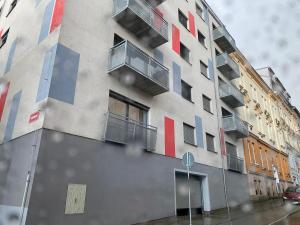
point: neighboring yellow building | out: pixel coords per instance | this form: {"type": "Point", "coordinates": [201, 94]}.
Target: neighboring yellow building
{"type": "Point", "coordinates": [273, 126]}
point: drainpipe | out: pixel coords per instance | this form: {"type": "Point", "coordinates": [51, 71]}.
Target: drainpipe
{"type": "Point", "coordinates": [218, 106]}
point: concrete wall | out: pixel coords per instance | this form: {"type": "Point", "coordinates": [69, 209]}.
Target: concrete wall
{"type": "Point", "coordinates": [124, 185]}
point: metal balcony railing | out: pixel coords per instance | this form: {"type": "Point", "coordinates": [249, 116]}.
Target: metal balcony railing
{"type": "Point", "coordinates": [235, 163]}
{"type": "Point", "coordinates": [231, 95]}
{"type": "Point", "coordinates": [149, 75]}
{"type": "Point", "coordinates": [224, 39]}
{"type": "Point", "coordinates": [143, 20]}
{"type": "Point", "coordinates": [122, 130]}
{"type": "Point", "coordinates": [227, 66]}
{"type": "Point", "coordinates": [233, 124]}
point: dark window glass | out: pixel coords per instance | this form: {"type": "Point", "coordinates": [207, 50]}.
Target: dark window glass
{"type": "Point", "coordinates": [12, 6]}
{"type": "Point", "coordinates": [203, 68]}
{"type": "Point", "coordinates": [201, 38]}
{"type": "Point", "coordinates": [231, 149]}
{"type": "Point", "coordinates": [186, 91]}
{"type": "Point", "coordinates": [117, 39]}
{"type": "Point", "coordinates": [4, 38]}
{"type": "Point", "coordinates": [183, 19]}
{"type": "Point", "coordinates": [199, 11]}
{"type": "Point", "coordinates": [184, 52]}
{"type": "Point", "coordinates": [189, 134]}
{"type": "Point", "coordinates": [206, 103]}
{"type": "Point", "coordinates": [210, 142]}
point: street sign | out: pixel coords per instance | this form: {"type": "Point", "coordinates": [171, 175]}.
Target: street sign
{"type": "Point", "coordinates": [188, 160]}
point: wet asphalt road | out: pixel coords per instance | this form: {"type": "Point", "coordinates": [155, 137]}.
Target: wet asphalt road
{"type": "Point", "coordinates": [293, 219]}
{"type": "Point", "coordinates": [272, 212]}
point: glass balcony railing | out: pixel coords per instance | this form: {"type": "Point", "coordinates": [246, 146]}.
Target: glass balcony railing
{"type": "Point", "coordinates": [227, 66]}
{"type": "Point", "coordinates": [224, 40]}
{"type": "Point", "coordinates": [235, 163]}
{"type": "Point", "coordinates": [234, 125]}
{"type": "Point", "coordinates": [149, 75]}
{"type": "Point", "coordinates": [143, 20]}
{"type": "Point", "coordinates": [122, 130]}
{"type": "Point", "coordinates": [231, 95]}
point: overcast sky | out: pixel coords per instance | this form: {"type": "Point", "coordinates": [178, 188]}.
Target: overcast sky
{"type": "Point", "coordinates": [268, 34]}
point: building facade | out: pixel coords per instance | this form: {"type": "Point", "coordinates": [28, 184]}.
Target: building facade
{"type": "Point", "coordinates": [101, 99]}
{"type": "Point", "coordinates": [273, 129]}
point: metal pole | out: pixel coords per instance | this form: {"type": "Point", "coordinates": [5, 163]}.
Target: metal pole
{"type": "Point", "coordinates": [24, 197]}
{"type": "Point", "coordinates": [190, 210]}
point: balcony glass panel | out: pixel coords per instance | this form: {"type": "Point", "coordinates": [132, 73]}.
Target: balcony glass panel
{"type": "Point", "coordinates": [233, 124]}
{"type": "Point", "coordinates": [231, 95]}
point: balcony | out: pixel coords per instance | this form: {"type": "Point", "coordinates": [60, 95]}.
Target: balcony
{"type": "Point", "coordinates": [235, 163]}
{"type": "Point", "coordinates": [155, 3]}
{"type": "Point", "coordinates": [231, 95]}
{"type": "Point", "coordinates": [234, 125]}
{"type": "Point", "coordinates": [142, 20]}
{"type": "Point", "coordinates": [224, 40]}
{"type": "Point", "coordinates": [227, 66]}
{"type": "Point", "coordinates": [120, 129]}
{"type": "Point", "coordinates": [134, 67]}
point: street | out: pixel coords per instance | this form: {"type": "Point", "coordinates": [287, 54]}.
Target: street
{"type": "Point", "coordinates": [272, 212]}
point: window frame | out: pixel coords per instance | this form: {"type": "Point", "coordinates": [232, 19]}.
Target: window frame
{"type": "Point", "coordinates": [200, 34]}
{"type": "Point", "coordinates": [202, 64]}
{"type": "Point", "coordinates": [12, 6]}
{"type": "Point", "coordinates": [4, 37]}
{"type": "Point", "coordinates": [213, 141]}
{"type": "Point", "coordinates": [183, 16]}
{"type": "Point", "coordinates": [185, 125]}
{"type": "Point", "coordinates": [197, 6]}
{"type": "Point", "coordinates": [185, 84]}
{"type": "Point", "coordinates": [205, 98]}
{"type": "Point", "coordinates": [182, 55]}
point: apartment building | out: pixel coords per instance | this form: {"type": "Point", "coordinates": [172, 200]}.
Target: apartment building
{"type": "Point", "coordinates": [101, 99]}
{"type": "Point", "coordinates": [273, 131]}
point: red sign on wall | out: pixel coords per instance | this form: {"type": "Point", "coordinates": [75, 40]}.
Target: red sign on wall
{"type": "Point", "coordinates": [34, 117]}
{"type": "Point", "coordinates": [222, 140]}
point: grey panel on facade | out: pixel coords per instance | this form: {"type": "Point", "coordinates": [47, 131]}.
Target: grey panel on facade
{"type": "Point", "coordinates": [64, 77]}
{"type": "Point", "coordinates": [14, 108]}
{"type": "Point", "coordinates": [211, 70]}
{"type": "Point", "coordinates": [46, 75]}
{"type": "Point", "coordinates": [45, 27]}
{"type": "Point", "coordinates": [176, 78]}
{"type": "Point", "coordinates": [118, 182]}
{"type": "Point", "coordinates": [199, 132]}
{"type": "Point", "coordinates": [10, 56]}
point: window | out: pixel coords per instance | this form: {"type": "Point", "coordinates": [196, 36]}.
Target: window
{"type": "Point", "coordinates": [231, 149]}
{"type": "Point", "coordinates": [186, 91]}
{"type": "Point", "coordinates": [122, 106]}
{"type": "Point", "coordinates": [117, 39]}
{"type": "Point", "coordinates": [206, 103]}
{"type": "Point", "coordinates": [201, 38]}
{"type": "Point", "coordinates": [4, 38]}
{"type": "Point", "coordinates": [217, 52]}
{"type": "Point", "coordinates": [210, 142]}
{"type": "Point", "coordinates": [12, 6]}
{"type": "Point", "coordinates": [183, 19]}
{"type": "Point", "coordinates": [184, 52]}
{"type": "Point", "coordinates": [203, 69]}
{"type": "Point", "coordinates": [189, 134]}
{"type": "Point", "coordinates": [199, 11]}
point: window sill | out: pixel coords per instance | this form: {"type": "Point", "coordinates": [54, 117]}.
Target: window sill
{"type": "Point", "coordinates": [212, 151]}
{"type": "Point", "coordinates": [190, 144]}
{"type": "Point", "coordinates": [206, 76]}
{"type": "Point", "coordinates": [209, 112]}
{"type": "Point", "coordinates": [188, 100]}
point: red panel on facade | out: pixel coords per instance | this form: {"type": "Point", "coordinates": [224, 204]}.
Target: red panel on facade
{"type": "Point", "coordinates": [158, 22]}
{"type": "Point", "coordinates": [34, 117]}
{"type": "Point", "coordinates": [169, 137]}
{"type": "Point", "coordinates": [175, 39]}
{"type": "Point", "coordinates": [57, 14]}
{"type": "Point", "coordinates": [192, 24]}
{"type": "Point", "coordinates": [3, 96]}
{"type": "Point", "coordinates": [222, 140]}
{"type": "Point", "coordinates": [1, 31]}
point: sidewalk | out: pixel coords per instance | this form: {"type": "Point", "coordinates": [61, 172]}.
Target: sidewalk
{"type": "Point", "coordinates": [257, 213]}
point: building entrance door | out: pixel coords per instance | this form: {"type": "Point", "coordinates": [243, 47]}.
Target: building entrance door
{"type": "Point", "coordinates": [182, 200]}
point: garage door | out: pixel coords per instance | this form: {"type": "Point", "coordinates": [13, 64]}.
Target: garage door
{"type": "Point", "coordinates": [182, 200]}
